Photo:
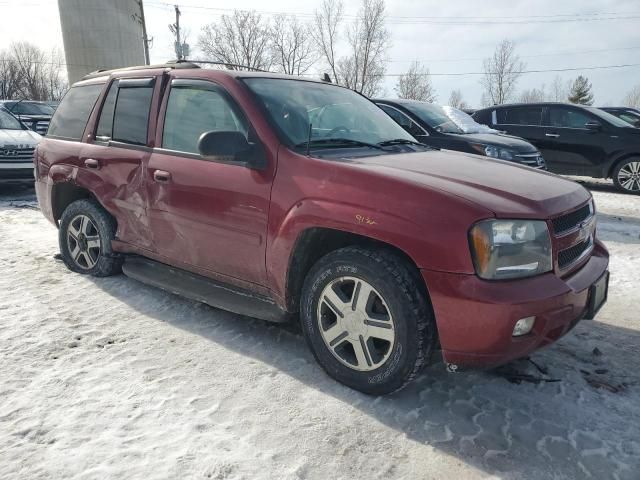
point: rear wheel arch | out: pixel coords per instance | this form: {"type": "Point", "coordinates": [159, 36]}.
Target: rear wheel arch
{"type": "Point", "coordinates": [614, 164]}
{"type": "Point", "coordinates": [314, 243]}
{"type": "Point", "coordinates": [64, 194]}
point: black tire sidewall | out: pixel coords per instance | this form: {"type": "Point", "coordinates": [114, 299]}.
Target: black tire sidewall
{"type": "Point", "coordinates": [392, 374]}
{"type": "Point", "coordinates": [107, 264]}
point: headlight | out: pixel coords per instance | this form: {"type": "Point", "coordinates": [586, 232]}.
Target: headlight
{"type": "Point", "coordinates": [494, 152]}
{"type": "Point", "coordinates": [503, 249]}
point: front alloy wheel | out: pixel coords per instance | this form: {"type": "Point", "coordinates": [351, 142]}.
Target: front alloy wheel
{"type": "Point", "coordinates": [355, 323]}
{"type": "Point", "coordinates": [365, 314]}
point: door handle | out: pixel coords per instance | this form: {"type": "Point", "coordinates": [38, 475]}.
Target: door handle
{"type": "Point", "coordinates": [161, 176]}
{"type": "Point", "coordinates": [552, 135]}
{"type": "Point", "coordinates": [92, 163]}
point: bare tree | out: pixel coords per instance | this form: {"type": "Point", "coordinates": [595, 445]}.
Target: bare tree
{"type": "Point", "coordinates": [559, 91]}
{"type": "Point", "coordinates": [363, 69]}
{"type": "Point", "coordinates": [416, 84]}
{"type": "Point", "coordinates": [31, 62]}
{"type": "Point", "coordinates": [501, 73]}
{"type": "Point", "coordinates": [292, 50]}
{"type": "Point", "coordinates": [327, 21]}
{"type": "Point", "coordinates": [27, 72]}
{"type": "Point", "coordinates": [9, 76]}
{"type": "Point", "coordinates": [54, 76]}
{"type": "Point", "coordinates": [456, 100]}
{"type": "Point", "coordinates": [534, 95]}
{"type": "Point", "coordinates": [242, 38]}
{"type": "Point", "coordinates": [632, 99]}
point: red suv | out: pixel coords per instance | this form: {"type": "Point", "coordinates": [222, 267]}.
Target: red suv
{"type": "Point", "coordinates": [280, 198]}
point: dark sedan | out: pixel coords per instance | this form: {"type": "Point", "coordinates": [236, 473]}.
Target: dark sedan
{"type": "Point", "coordinates": [432, 125]}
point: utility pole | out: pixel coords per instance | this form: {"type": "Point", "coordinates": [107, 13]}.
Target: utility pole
{"type": "Point", "coordinates": [175, 29]}
{"type": "Point", "coordinates": [145, 39]}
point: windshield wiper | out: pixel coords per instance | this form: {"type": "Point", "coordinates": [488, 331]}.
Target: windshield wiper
{"type": "Point", "coordinates": [399, 141]}
{"type": "Point", "coordinates": [345, 142]}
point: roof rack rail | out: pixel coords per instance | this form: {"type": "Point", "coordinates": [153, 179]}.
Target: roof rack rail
{"type": "Point", "coordinates": [177, 64]}
{"type": "Point", "coordinates": [230, 66]}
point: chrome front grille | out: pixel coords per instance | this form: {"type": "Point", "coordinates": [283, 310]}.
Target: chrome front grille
{"type": "Point", "coordinates": [572, 220]}
{"type": "Point", "coordinates": [41, 127]}
{"type": "Point", "coordinates": [533, 160]}
{"type": "Point", "coordinates": [574, 234]}
{"type": "Point", "coordinates": [9, 154]}
{"type": "Point", "coordinates": [574, 254]}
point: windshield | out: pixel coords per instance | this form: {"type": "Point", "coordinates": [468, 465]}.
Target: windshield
{"type": "Point", "coordinates": [333, 112]}
{"type": "Point", "coordinates": [8, 121]}
{"type": "Point", "coordinates": [29, 108]}
{"type": "Point", "coordinates": [434, 116]}
{"type": "Point", "coordinates": [465, 122]}
{"type": "Point", "coordinates": [608, 117]}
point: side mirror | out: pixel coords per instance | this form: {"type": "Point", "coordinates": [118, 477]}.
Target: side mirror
{"type": "Point", "coordinates": [594, 126]}
{"type": "Point", "coordinates": [231, 147]}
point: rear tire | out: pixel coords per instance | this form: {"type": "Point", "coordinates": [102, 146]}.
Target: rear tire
{"type": "Point", "coordinates": [85, 234]}
{"type": "Point", "coordinates": [626, 175]}
{"type": "Point", "coordinates": [367, 319]}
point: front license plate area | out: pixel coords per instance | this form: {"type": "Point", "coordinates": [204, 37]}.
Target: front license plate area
{"type": "Point", "coordinates": [597, 296]}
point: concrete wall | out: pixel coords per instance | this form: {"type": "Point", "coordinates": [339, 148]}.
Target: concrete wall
{"type": "Point", "coordinates": [100, 34]}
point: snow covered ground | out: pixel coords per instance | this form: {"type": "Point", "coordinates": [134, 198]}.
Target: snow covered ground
{"type": "Point", "coordinates": [108, 378]}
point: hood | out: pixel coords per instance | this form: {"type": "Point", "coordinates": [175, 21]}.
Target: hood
{"type": "Point", "coordinates": [507, 189]}
{"type": "Point", "coordinates": [19, 138]}
{"type": "Point", "coordinates": [500, 140]}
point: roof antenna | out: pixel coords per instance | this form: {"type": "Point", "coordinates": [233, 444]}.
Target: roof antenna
{"type": "Point", "coordinates": [326, 78]}
{"type": "Point", "coordinates": [309, 138]}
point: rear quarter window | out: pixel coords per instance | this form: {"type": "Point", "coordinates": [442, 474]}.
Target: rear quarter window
{"type": "Point", "coordinates": [72, 114]}
{"type": "Point", "coordinates": [483, 117]}
{"type": "Point", "coordinates": [531, 116]}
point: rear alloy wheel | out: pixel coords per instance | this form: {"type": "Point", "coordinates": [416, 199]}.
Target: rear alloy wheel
{"type": "Point", "coordinates": [83, 242]}
{"type": "Point", "coordinates": [85, 235]}
{"type": "Point", "coordinates": [626, 176]}
{"type": "Point", "coordinates": [366, 317]}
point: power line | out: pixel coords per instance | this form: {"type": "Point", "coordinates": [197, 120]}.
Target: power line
{"type": "Point", "coordinates": [557, 54]}
{"type": "Point", "coordinates": [446, 20]}
{"type": "Point", "coordinates": [550, 70]}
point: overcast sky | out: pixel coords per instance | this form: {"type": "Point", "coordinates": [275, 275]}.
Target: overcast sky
{"type": "Point", "coordinates": [447, 36]}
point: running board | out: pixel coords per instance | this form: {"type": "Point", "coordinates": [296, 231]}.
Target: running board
{"type": "Point", "coordinates": [203, 289]}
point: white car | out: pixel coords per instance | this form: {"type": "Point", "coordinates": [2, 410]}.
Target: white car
{"type": "Point", "coordinates": [17, 145]}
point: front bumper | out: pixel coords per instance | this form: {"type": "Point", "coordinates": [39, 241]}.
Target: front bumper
{"type": "Point", "coordinates": [475, 317]}
{"type": "Point", "coordinates": [11, 172]}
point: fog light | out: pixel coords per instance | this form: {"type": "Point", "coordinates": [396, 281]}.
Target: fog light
{"type": "Point", "coordinates": [523, 326]}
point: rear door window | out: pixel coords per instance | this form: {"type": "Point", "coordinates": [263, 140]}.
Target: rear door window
{"type": "Point", "coordinates": [73, 112]}
{"type": "Point", "coordinates": [131, 114]}
{"type": "Point", "coordinates": [568, 118]}
{"type": "Point", "coordinates": [195, 109]}
{"type": "Point", "coordinates": [531, 116]}
{"type": "Point", "coordinates": [105, 124]}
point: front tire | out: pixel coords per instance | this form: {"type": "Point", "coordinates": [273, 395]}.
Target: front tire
{"type": "Point", "coordinates": [626, 175]}
{"type": "Point", "coordinates": [367, 319]}
{"type": "Point", "coordinates": [85, 234]}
